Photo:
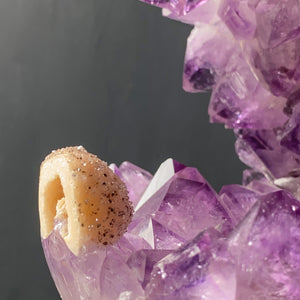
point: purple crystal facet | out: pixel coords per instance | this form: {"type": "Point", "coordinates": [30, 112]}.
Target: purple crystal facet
{"type": "Point", "coordinates": [266, 248]}
{"type": "Point", "coordinates": [190, 206]}
{"type": "Point", "coordinates": [237, 201]}
{"type": "Point", "coordinates": [179, 7]}
{"type": "Point", "coordinates": [96, 274]}
{"type": "Point", "coordinates": [194, 271]}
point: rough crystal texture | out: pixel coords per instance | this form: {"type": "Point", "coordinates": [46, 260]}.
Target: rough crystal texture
{"type": "Point", "coordinates": [265, 247]}
{"type": "Point", "coordinates": [181, 274]}
{"type": "Point", "coordinates": [258, 260]}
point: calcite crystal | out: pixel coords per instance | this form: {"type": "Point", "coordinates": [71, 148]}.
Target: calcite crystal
{"type": "Point", "coordinates": [185, 240]}
{"type": "Point", "coordinates": [82, 198]}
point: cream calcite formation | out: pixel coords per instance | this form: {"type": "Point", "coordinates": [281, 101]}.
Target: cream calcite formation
{"type": "Point", "coordinates": [81, 197]}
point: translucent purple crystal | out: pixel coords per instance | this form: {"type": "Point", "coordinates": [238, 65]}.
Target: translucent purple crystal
{"type": "Point", "coordinates": [265, 248]}
{"type": "Point", "coordinates": [248, 53]}
{"type": "Point", "coordinates": [181, 274]}
{"type": "Point", "coordinates": [258, 260]}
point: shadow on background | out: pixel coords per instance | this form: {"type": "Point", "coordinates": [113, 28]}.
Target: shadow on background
{"type": "Point", "coordinates": [103, 74]}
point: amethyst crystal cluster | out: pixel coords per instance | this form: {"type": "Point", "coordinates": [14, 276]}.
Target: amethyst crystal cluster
{"type": "Point", "coordinates": [188, 242]}
{"type": "Point", "coordinates": [185, 240]}
{"type": "Point", "coordinates": [248, 53]}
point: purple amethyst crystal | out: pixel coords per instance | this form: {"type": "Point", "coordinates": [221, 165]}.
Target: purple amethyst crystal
{"type": "Point", "coordinates": [143, 261]}
{"type": "Point", "coordinates": [180, 7]}
{"type": "Point", "coordinates": [258, 182]}
{"type": "Point", "coordinates": [184, 206]}
{"type": "Point", "coordinates": [95, 274]}
{"type": "Point", "coordinates": [258, 260]}
{"type": "Point", "coordinates": [266, 247]}
{"type": "Point", "coordinates": [248, 53]}
{"type": "Point", "coordinates": [174, 275]}
{"type": "Point", "coordinates": [237, 200]}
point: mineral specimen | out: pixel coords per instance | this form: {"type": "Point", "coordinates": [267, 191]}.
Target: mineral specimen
{"type": "Point", "coordinates": [185, 241]}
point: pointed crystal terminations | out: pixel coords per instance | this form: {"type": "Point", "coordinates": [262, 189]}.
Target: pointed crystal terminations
{"type": "Point", "coordinates": [259, 259]}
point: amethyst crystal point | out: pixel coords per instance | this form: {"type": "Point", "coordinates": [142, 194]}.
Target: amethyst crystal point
{"type": "Point", "coordinates": [266, 247]}
{"type": "Point", "coordinates": [142, 262]}
{"type": "Point", "coordinates": [179, 7]}
{"type": "Point", "coordinates": [277, 49]}
{"type": "Point", "coordinates": [201, 67]}
{"type": "Point", "coordinates": [257, 73]}
{"type": "Point", "coordinates": [180, 203]}
{"type": "Point", "coordinates": [262, 150]}
{"type": "Point", "coordinates": [258, 182]}
{"type": "Point", "coordinates": [190, 206]}
{"type": "Point", "coordinates": [239, 18]}
{"type": "Point", "coordinates": [291, 135]}
{"type": "Point", "coordinates": [237, 94]}
{"type": "Point", "coordinates": [202, 12]}
{"type": "Point", "coordinates": [99, 273]}
{"type": "Point", "coordinates": [269, 32]}
{"type": "Point", "coordinates": [185, 273]}
{"type": "Point", "coordinates": [237, 200]}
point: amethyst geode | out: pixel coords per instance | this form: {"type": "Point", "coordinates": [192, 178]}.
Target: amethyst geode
{"type": "Point", "coordinates": [186, 241]}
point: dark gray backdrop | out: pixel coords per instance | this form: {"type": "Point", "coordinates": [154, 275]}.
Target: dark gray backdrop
{"type": "Point", "coordinates": [104, 74]}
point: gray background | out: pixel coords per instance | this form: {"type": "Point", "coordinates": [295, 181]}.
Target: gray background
{"type": "Point", "coordinates": [104, 74]}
